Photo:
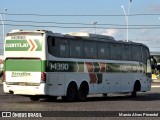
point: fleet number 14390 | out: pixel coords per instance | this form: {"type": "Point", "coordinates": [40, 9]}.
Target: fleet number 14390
{"type": "Point", "coordinates": [60, 66]}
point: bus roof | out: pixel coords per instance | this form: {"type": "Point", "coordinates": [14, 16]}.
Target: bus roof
{"type": "Point", "coordinates": [81, 35]}
{"type": "Point", "coordinates": [90, 35]}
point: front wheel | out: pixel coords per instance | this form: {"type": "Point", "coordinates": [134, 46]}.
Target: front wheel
{"type": "Point", "coordinates": [137, 87]}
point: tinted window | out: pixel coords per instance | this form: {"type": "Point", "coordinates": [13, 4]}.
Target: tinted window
{"type": "Point", "coordinates": [90, 49]}
{"type": "Point", "coordinates": [136, 53]}
{"type": "Point", "coordinates": [126, 52]}
{"type": "Point", "coordinates": [145, 54]}
{"type": "Point", "coordinates": [53, 45]}
{"type": "Point", "coordinates": [113, 51]}
{"type": "Point", "coordinates": [64, 48]}
{"type": "Point", "coordinates": [103, 50]}
{"type": "Point", "coordinates": [119, 51]}
{"type": "Point", "coordinates": [76, 48]}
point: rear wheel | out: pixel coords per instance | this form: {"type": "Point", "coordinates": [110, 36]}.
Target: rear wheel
{"type": "Point", "coordinates": [83, 91]}
{"type": "Point", "coordinates": [51, 98]}
{"type": "Point", "coordinates": [34, 98]}
{"type": "Point", "coordinates": [1, 73]}
{"type": "Point", "coordinates": [105, 95]}
{"type": "Point", "coordinates": [134, 93]}
{"type": "Point", "coordinates": [71, 92]}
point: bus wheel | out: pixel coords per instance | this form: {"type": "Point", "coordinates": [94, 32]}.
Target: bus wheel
{"type": "Point", "coordinates": [71, 92]}
{"type": "Point", "coordinates": [51, 98]}
{"type": "Point", "coordinates": [105, 95]}
{"type": "Point", "coordinates": [83, 91]}
{"type": "Point", "coordinates": [137, 87]}
{"type": "Point", "coordinates": [34, 98]}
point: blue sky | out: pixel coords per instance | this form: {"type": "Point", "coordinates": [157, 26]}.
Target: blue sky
{"type": "Point", "coordinates": [147, 36]}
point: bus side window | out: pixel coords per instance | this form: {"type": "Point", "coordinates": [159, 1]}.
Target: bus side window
{"type": "Point", "coordinates": [64, 48]}
{"type": "Point", "coordinates": [119, 51]}
{"type": "Point", "coordinates": [103, 50]}
{"type": "Point", "coordinates": [76, 48]}
{"type": "Point", "coordinates": [113, 51]}
{"type": "Point", "coordinates": [126, 52]}
{"type": "Point", "coordinates": [53, 46]}
{"type": "Point", "coordinates": [90, 50]}
{"type": "Point", "coordinates": [145, 54]}
{"type": "Point", "coordinates": [53, 42]}
{"type": "Point", "coordinates": [136, 53]}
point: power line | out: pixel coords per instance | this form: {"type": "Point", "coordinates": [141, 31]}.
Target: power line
{"type": "Point", "coordinates": [76, 15]}
{"type": "Point", "coordinates": [73, 23]}
{"type": "Point", "coordinates": [44, 26]}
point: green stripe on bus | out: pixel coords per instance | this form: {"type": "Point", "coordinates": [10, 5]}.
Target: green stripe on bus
{"type": "Point", "coordinates": [23, 65]}
{"type": "Point", "coordinates": [39, 45]}
{"type": "Point", "coordinates": [37, 65]}
{"type": "Point", "coordinates": [71, 66]}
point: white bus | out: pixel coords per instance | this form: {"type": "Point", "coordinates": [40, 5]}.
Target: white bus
{"type": "Point", "coordinates": [46, 64]}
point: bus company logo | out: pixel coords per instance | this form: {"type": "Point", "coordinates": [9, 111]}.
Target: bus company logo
{"type": "Point", "coordinates": [23, 45]}
{"type": "Point", "coordinates": [20, 74]}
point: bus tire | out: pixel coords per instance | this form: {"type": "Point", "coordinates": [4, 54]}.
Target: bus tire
{"type": "Point", "coordinates": [105, 95]}
{"type": "Point", "coordinates": [1, 73]}
{"type": "Point", "coordinates": [51, 98]}
{"type": "Point", "coordinates": [72, 92]}
{"type": "Point", "coordinates": [137, 87]}
{"type": "Point", "coordinates": [83, 91]}
{"type": "Point", "coordinates": [34, 98]}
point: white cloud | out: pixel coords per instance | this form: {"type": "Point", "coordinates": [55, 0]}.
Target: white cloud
{"type": "Point", "coordinates": [155, 8]}
{"type": "Point", "coordinates": [111, 32]}
{"type": "Point", "coordinates": [117, 34]}
{"type": "Point", "coordinates": [144, 31]}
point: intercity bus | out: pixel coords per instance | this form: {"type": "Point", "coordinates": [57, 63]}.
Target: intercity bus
{"type": "Point", "coordinates": [42, 64]}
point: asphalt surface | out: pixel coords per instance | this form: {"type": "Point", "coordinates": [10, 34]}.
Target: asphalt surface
{"type": "Point", "coordinates": [121, 103]}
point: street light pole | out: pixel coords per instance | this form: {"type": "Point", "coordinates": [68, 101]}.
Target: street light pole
{"type": "Point", "coordinates": [94, 23]}
{"type": "Point", "coordinates": [3, 23]}
{"type": "Point", "coordinates": [126, 17]}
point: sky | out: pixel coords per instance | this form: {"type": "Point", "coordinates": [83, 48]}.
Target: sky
{"type": "Point", "coordinates": [64, 16]}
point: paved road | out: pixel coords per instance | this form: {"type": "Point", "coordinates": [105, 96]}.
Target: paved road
{"type": "Point", "coordinates": [148, 101]}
